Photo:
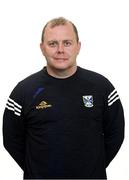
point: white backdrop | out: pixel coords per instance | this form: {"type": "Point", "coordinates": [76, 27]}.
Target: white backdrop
{"type": "Point", "coordinates": [103, 27]}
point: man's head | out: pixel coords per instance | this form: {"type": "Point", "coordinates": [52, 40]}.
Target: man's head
{"type": "Point", "coordinates": [60, 44]}
{"type": "Point", "coordinates": [59, 21]}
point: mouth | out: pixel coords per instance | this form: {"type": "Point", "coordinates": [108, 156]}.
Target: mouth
{"type": "Point", "coordinates": [61, 59]}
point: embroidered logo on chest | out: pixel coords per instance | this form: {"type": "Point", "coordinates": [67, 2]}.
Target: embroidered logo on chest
{"type": "Point", "coordinates": [88, 101]}
{"type": "Point", "coordinates": [43, 105]}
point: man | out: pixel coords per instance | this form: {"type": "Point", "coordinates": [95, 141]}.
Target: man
{"type": "Point", "coordinates": [63, 122]}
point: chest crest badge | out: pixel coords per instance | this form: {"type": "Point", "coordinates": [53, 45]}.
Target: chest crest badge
{"type": "Point", "coordinates": [88, 101]}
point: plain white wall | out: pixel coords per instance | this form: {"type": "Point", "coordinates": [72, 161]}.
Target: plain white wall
{"type": "Point", "coordinates": [104, 32]}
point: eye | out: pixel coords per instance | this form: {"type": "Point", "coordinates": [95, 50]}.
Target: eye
{"type": "Point", "coordinates": [52, 44]}
{"type": "Point", "coordinates": [67, 43]}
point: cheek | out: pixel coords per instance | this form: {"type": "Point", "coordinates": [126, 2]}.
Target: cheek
{"type": "Point", "coordinates": [72, 52]}
{"type": "Point", "coordinates": [49, 52]}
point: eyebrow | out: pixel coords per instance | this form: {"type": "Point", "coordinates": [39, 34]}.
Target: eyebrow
{"type": "Point", "coordinates": [68, 40]}
{"type": "Point", "coordinates": [57, 40]}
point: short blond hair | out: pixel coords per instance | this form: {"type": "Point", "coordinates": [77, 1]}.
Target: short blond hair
{"type": "Point", "coordinates": [59, 21]}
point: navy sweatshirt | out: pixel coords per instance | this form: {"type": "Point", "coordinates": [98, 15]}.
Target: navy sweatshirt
{"type": "Point", "coordinates": [68, 128]}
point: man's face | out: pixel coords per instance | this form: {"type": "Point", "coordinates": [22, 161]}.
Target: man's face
{"type": "Point", "coordinates": [60, 47]}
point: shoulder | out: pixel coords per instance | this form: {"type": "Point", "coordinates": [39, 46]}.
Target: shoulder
{"type": "Point", "coordinates": [28, 84]}
{"type": "Point", "coordinates": [96, 79]}
{"type": "Point", "coordinates": [32, 79]}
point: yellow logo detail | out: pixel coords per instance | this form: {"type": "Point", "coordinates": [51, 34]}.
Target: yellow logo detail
{"type": "Point", "coordinates": [43, 105]}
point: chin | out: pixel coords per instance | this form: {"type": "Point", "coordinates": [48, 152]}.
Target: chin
{"type": "Point", "coordinates": [61, 66]}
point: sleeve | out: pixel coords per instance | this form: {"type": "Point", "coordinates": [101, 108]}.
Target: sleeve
{"type": "Point", "coordinates": [13, 126]}
{"type": "Point", "coordinates": [113, 124]}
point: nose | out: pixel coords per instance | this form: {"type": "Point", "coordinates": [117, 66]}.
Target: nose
{"type": "Point", "coordinates": [60, 49]}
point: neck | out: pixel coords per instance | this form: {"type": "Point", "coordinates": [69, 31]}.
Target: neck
{"type": "Point", "coordinates": [61, 74]}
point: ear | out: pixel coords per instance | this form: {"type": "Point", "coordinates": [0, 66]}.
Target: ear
{"type": "Point", "coordinates": [79, 47]}
{"type": "Point", "coordinates": [42, 47]}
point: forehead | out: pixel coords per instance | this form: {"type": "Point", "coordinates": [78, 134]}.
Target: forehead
{"type": "Point", "coordinates": [59, 32]}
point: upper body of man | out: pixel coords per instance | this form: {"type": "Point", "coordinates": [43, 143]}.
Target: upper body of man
{"type": "Point", "coordinates": [63, 122]}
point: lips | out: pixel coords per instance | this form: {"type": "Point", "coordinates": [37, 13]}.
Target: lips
{"type": "Point", "coordinates": [61, 59]}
